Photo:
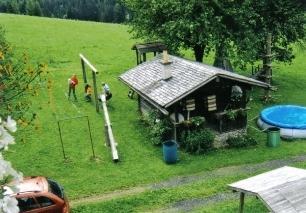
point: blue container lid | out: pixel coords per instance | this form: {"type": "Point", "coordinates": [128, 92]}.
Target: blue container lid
{"type": "Point", "coordinates": [285, 116]}
{"type": "Point", "coordinates": [169, 143]}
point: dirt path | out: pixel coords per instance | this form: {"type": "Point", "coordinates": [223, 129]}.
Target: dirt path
{"type": "Point", "coordinates": [189, 205]}
{"type": "Point", "coordinates": [248, 169]}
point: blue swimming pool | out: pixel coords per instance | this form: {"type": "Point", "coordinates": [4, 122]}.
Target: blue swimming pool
{"type": "Point", "coordinates": [291, 119]}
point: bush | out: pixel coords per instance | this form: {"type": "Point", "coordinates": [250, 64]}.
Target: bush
{"type": "Point", "coordinates": [160, 128]}
{"type": "Point", "coordinates": [241, 141]}
{"type": "Point", "coordinates": [198, 141]}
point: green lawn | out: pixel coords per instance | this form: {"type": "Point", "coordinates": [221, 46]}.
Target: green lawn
{"type": "Point", "coordinates": [108, 46]}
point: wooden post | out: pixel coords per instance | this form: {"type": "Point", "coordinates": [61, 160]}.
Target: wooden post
{"type": "Point", "coordinates": [94, 73]}
{"type": "Point", "coordinates": [84, 71]}
{"type": "Point", "coordinates": [137, 57]}
{"type": "Point", "coordinates": [241, 202]}
{"type": "Point", "coordinates": [95, 90]}
{"type": "Point", "coordinates": [92, 147]}
{"type": "Point", "coordinates": [109, 130]}
{"type": "Point", "coordinates": [144, 57]}
{"type": "Point", "coordinates": [60, 133]}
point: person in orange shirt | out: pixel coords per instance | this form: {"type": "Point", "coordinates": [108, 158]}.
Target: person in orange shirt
{"type": "Point", "coordinates": [73, 81]}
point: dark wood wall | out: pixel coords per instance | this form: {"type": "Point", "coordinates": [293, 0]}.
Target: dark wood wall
{"type": "Point", "coordinates": [222, 89]}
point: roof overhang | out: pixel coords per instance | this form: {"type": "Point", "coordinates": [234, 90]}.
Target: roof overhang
{"type": "Point", "coordinates": [160, 108]}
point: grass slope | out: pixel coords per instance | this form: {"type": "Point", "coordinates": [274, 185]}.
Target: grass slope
{"type": "Point", "coordinates": [58, 43]}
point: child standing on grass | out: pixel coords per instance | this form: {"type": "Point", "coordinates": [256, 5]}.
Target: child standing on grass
{"type": "Point", "coordinates": [72, 82]}
{"type": "Point", "coordinates": [106, 91]}
{"type": "Point", "coordinates": [88, 92]}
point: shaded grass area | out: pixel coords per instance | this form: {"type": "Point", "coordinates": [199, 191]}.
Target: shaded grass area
{"type": "Point", "coordinates": [38, 151]}
{"type": "Point", "coordinates": [172, 199]}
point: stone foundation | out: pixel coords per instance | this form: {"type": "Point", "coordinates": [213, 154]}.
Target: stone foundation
{"type": "Point", "coordinates": [221, 138]}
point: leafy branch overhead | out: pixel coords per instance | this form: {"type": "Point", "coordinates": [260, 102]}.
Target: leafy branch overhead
{"type": "Point", "coordinates": [236, 30]}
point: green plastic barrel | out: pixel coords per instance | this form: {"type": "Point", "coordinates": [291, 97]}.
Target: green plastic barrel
{"type": "Point", "coordinates": [273, 136]}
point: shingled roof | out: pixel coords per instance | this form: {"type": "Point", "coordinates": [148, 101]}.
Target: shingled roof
{"type": "Point", "coordinates": [187, 76]}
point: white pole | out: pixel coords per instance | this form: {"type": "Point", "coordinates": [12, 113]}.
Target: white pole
{"type": "Point", "coordinates": [109, 129]}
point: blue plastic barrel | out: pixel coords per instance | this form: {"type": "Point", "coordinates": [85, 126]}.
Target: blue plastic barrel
{"type": "Point", "coordinates": [170, 151]}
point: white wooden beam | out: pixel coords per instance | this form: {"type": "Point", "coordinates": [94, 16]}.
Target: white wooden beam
{"type": "Point", "coordinates": [112, 142]}
{"type": "Point", "coordinates": [88, 63]}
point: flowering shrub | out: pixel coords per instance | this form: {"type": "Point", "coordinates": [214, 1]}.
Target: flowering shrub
{"type": "Point", "coordinates": [8, 204]}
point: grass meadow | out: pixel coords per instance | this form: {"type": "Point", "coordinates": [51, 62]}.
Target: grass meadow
{"type": "Point", "coordinates": [108, 46]}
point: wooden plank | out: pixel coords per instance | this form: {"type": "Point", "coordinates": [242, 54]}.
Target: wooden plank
{"type": "Point", "coordinates": [211, 101]}
{"type": "Point", "coordinates": [190, 101]}
{"type": "Point", "coordinates": [190, 107]}
{"type": "Point", "coordinates": [88, 63]}
{"type": "Point", "coordinates": [211, 97]}
{"type": "Point", "coordinates": [212, 109]}
{"type": "Point", "coordinates": [109, 130]}
{"type": "Point", "coordinates": [211, 105]}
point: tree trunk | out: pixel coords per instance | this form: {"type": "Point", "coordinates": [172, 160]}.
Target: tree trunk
{"type": "Point", "coordinates": [267, 61]}
{"type": "Point", "coordinates": [221, 58]}
{"type": "Point", "coordinates": [199, 52]}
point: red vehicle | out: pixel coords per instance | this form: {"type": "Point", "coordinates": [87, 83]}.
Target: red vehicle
{"type": "Point", "coordinates": [39, 194]}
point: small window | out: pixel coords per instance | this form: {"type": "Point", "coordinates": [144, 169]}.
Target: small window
{"type": "Point", "coordinates": [190, 104]}
{"type": "Point", "coordinates": [211, 103]}
{"type": "Point", "coordinates": [27, 204]}
{"type": "Point", "coordinates": [44, 201]}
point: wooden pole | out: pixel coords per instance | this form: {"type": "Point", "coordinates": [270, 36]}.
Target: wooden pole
{"type": "Point", "coordinates": [109, 130]}
{"type": "Point", "coordinates": [94, 73]}
{"type": "Point", "coordinates": [241, 202]}
{"type": "Point", "coordinates": [144, 57]}
{"type": "Point", "coordinates": [90, 136]}
{"type": "Point", "coordinates": [137, 57]}
{"type": "Point", "coordinates": [84, 71]}
{"type": "Point", "coordinates": [95, 90]}
{"type": "Point", "coordinates": [60, 133]}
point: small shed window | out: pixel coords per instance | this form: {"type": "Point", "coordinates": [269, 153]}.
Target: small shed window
{"type": "Point", "coordinates": [190, 106]}
{"type": "Point", "coordinates": [211, 103]}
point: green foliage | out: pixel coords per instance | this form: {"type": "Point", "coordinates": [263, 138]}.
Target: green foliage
{"type": "Point", "coordinates": [285, 20]}
{"type": "Point", "coordinates": [19, 82]}
{"type": "Point", "coordinates": [186, 24]}
{"type": "Point", "coordinates": [198, 141]}
{"type": "Point", "coordinates": [231, 114]}
{"type": "Point", "coordinates": [197, 121]}
{"type": "Point", "coordinates": [160, 128]}
{"type": "Point", "coordinates": [241, 141]}
{"type": "Point", "coordinates": [94, 10]}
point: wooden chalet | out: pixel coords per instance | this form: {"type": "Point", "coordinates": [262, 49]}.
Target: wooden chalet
{"type": "Point", "coordinates": [181, 88]}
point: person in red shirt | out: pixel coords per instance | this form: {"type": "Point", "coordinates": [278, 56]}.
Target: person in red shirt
{"type": "Point", "coordinates": [72, 82]}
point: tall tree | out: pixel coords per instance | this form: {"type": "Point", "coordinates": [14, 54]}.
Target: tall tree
{"type": "Point", "coordinates": [284, 20]}
{"type": "Point", "coordinates": [179, 23]}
